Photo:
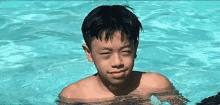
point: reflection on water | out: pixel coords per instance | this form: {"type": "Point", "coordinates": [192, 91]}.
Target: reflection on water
{"type": "Point", "coordinates": [140, 96]}
{"type": "Point", "coordinates": [173, 97]}
{"type": "Point", "coordinates": [117, 100]}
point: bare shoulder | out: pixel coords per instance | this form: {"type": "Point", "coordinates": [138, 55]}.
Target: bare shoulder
{"type": "Point", "coordinates": [76, 90]}
{"type": "Point", "coordinates": [71, 91]}
{"type": "Point", "coordinates": [155, 80]}
{"type": "Point", "coordinates": [162, 88]}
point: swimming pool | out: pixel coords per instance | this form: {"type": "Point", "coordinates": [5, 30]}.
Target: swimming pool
{"type": "Point", "coordinates": [41, 47]}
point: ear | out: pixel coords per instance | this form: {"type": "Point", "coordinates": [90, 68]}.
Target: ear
{"type": "Point", "coordinates": [88, 53]}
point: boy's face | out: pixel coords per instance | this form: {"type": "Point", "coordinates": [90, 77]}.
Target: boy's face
{"type": "Point", "coordinates": [114, 60]}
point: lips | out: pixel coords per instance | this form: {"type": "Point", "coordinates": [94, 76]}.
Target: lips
{"type": "Point", "coordinates": [113, 72]}
{"type": "Point", "coordinates": [118, 74]}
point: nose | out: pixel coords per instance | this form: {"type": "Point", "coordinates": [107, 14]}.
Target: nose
{"type": "Point", "coordinates": [116, 61]}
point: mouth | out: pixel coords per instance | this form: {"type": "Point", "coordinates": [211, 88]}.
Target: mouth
{"type": "Point", "coordinates": [114, 72]}
{"type": "Point", "coordinates": [118, 74]}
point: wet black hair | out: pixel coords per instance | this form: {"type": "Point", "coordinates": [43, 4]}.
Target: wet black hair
{"type": "Point", "coordinates": [212, 100]}
{"type": "Point", "coordinates": [107, 19]}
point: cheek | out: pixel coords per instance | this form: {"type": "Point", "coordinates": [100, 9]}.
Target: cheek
{"type": "Point", "coordinates": [128, 62]}
{"type": "Point", "coordinates": [101, 64]}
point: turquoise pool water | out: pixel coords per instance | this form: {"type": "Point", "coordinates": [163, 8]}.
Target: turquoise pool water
{"type": "Point", "coordinates": [41, 47]}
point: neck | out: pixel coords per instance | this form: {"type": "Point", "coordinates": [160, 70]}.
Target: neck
{"type": "Point", "coordinates": [120, 89]}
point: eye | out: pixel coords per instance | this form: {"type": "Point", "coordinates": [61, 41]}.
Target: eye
{"type": "Point", "coordinates": [127, 51]}
{"type": "Point", "coordinates": [104, 53]}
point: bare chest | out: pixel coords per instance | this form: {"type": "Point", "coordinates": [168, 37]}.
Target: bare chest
{"type": "Point", "coordinates": [91, 89]}
{"type": "Point", "coordinates": [94, 91]}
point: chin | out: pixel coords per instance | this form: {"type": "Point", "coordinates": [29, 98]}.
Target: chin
{"type": "Point", "coordinates": [117, 81]}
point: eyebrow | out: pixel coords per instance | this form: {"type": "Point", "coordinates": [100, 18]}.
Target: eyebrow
{"type": "Point", "coordinates": [107, 48]}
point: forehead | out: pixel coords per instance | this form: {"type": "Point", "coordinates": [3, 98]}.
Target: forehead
{"type": "Point", "coordinates": [115, 41]}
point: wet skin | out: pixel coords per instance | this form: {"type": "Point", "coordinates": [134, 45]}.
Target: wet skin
{"type": "Point", "coordinates": [114, 61]}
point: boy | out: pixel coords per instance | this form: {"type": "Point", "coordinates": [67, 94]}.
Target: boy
{"type": "Point", "coordinates": [111, 34]}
